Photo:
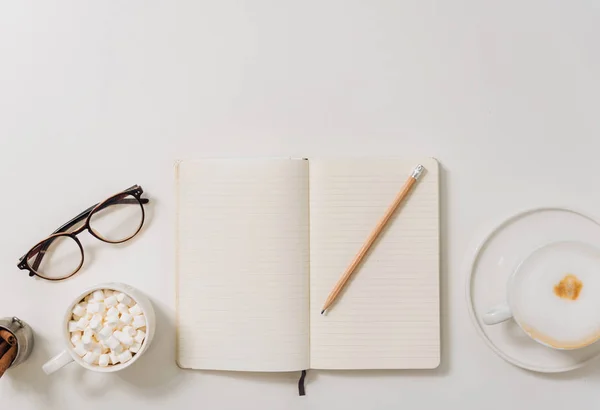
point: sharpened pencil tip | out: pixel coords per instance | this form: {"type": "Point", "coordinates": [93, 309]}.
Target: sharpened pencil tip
{"type": "Point", "coordinates": [323, 311]}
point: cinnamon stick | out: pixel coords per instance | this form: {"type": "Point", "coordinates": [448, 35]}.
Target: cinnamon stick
{"type": "Point", "coordinates": [4, 346]}
{"type": "Point", "coordinates": [8, 337]}
{"type": "Point", "coordinates": [7, 359]}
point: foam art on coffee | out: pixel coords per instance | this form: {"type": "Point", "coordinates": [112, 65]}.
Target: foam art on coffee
{"type": "Point", "coordinates": [556, 296]}
{"type": "Point", "coordinates": [569, 287]}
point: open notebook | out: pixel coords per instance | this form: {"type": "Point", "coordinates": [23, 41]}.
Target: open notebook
{"type": "Point", "coordinates": [261, 243]}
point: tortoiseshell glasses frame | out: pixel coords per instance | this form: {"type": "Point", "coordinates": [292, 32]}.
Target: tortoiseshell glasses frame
{"type": "Point", "coordinates": [33, 258]}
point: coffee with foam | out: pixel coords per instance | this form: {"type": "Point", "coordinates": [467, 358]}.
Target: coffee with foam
{"type": "Point", "coordinates": [555, 295]}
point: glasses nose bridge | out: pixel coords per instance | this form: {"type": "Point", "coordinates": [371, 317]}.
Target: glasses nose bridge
{"type": "Point", "coordinates": [79, 230]}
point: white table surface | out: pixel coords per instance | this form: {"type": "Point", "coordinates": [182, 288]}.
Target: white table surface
{"type": "Point", "coordinates": [96, 96]}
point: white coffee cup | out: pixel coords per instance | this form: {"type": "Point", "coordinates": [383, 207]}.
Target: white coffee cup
{"type": "Point", "coordinates": [554, 296]}
{"type": "Point", "coordinates": [69, 356]}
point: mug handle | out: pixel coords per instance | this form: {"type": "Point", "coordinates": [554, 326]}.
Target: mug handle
{"type": "Point", "coordinates": [497, 314]}
{"type": "Point", "coordinates": [57, 362]}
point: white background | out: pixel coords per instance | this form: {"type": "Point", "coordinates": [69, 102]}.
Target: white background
{"type": "Point", "coordinates": [98, 95]}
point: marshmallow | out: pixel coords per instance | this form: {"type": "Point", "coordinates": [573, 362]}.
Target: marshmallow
{"type": "Point", "coordinates": [79, 310]}
{"type": "Point", "coordinates": [73, 326]}
{"type": "Point", "coordinates": [90, 358]}
{"type": "Point", "coordinates": [79, 349]}
{"type": "Point", "coordinates": [118, 350]}
{"type": "Point", "coordinates": [125, 356]}
{"type": "Point", "coordinates": [129, 330]}
{"type": "Point", "coordinates": [113, 312]}
{"type": "Point", "coordinates": [97, 349]}
{"type": "Point", "coordinates": [135, 347]}
{"type": "Point", "coordinates": [111, 301]}
{"type": "Point", "coordinates": [124, 299]}
{"type": "Point", "coordinates": [95, 307]}
{"type": "Point", "coordinates": [112, 342]}
{"type": "Point", "coordinates": [75, 337]}
{"type": "Point", "coordinates": [124, 338]}
{"type": "Point", "coordinates": [96, 326]}
{"type": "Point", "coordinates": [105, 348]}
{"type": "Point", "coordinates": [126, 318]}
{"type": "Point", "coordinates": [113, 358]}
{"type": "Point", "coordinates": [88, 343]}
{"type": "Point", "coordinates": [88, 316]}
{"type": "Point", "coordinates": [104, 360]}
{"type": "Point", "coordinates": [139, 321]}
{"type": "Point", "coordinates": [89, 332]}
{"type": "Point", "coordinates": [122, 308]}
{"type": "Point", "coordinates": [135, 310]}
{"type": "Point", "coordinates": [96, 323]}
{"type": "Point", "coordinates": [112, 321]}
{"type": "Point", "coordinates": [98, 295]}
{"type": "Point", "coordinates": [105, 333]}
{"type": "Point", "coordinates": [139, 336]}
{"type": "Point", "coordinates": [83, 323]}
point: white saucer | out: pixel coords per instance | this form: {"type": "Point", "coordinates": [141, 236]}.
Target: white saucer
{"type": "Point", "coordinates": [495, 259]}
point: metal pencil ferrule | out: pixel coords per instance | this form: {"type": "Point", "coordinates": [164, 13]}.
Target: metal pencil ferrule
{"type": "Point", "coordinates": [417, 171]}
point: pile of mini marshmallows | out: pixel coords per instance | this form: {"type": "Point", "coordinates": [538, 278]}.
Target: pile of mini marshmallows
{"type": "Point", "coordinates": [107, 328]}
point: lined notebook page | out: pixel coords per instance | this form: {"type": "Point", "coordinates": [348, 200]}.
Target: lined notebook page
{"type": "Point", "coordinates": [388, 315]}
{"type": "Point", "coordinates": [243, 256]}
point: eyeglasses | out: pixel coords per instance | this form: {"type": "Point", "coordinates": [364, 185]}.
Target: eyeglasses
{"type": "Point", "coordinates": [114, 220]}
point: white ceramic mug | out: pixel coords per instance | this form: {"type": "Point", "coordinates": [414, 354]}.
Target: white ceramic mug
{"type": "Point", "coordinates": [69, 356]}
{"type": "Point", "coordinates": [554, 296]}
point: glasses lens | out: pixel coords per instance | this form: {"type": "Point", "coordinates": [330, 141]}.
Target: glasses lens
{"type": "Point", "coordinates": [56, 258]}
{"type": "Point", "coordinates": [118, 219]}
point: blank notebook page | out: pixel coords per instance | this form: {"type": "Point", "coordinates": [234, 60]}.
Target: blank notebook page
{"type": "Point", "coordinates": [243, 261]}
{"type": "Point", "coordinates": [387, 317]}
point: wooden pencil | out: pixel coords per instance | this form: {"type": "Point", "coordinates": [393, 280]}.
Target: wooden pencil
{"type": "Point", "coordinates": [410, 182]}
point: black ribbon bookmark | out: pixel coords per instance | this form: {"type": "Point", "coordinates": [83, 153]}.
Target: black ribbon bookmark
{"type": "Point", "coordinates": [301, 390]}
